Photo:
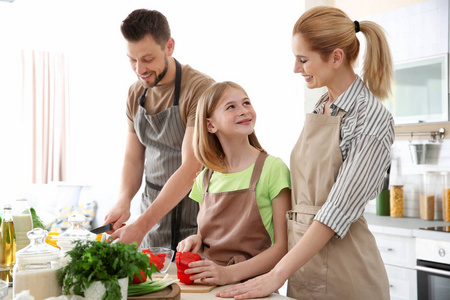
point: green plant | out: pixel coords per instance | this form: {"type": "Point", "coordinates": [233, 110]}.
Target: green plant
{"type": "Point", "coordinates": [92, 261]}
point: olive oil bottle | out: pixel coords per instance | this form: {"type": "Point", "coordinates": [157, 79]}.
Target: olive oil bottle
{"type": "Point", "coordinates": [7, 244]}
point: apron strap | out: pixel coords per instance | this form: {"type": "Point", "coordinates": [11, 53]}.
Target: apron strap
{"type": "Point", "coordinates": [257, 169]}
{"type": "Point", "coordinates": [206, 179]}
{"type": "Point", "coordinates": [141, 99]}
{"type": "Point", "coordinates": [176, 95]}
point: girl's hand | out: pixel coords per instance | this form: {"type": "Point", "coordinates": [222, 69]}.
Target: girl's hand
{"type": "Point", "coordinates": [209, 272]}
{"type": "Point", "coordinates": [192, 243]}
{"type": "Point", "coordinates": [258, 287]}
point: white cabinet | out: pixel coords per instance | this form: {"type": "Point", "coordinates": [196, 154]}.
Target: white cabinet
{"type": "Point", "coordinates": [398, 253]}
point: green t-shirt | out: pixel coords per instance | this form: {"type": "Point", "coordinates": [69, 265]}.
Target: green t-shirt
{"type": "Point", "coordinates": [275, 176]}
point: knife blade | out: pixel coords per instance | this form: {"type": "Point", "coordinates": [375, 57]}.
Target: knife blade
{"type": "Point", "coordinates": [103, 228]}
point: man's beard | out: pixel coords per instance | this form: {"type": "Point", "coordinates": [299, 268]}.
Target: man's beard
{"type": "Point", "coordinates": [159, 77]}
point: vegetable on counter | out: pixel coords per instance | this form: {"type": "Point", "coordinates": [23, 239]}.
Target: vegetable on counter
{"type": "Point", "coordinates": [37, 222]}
{"type": "Point", "coordinates": [182, 260]}
{"type": "Point", "coordinates": [92, 261]}
{"type": "Point", "coordinates": [150, 286]}
{"type": "Point", "coordinates": [158, 259]}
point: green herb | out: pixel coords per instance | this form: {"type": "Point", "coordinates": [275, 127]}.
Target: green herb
{"type": "Point", "coordinates": [37, 222]}
{"type": "Point", "coordinates": [150, 286]}
{"type": "Point", "coordinates": [100, 261]}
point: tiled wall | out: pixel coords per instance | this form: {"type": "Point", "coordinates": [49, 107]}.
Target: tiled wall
{"type": "Point", "coordinates": [404, 172]}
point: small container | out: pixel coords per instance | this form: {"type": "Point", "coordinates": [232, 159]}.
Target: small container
{"type": "Point", "coordinates": [446, 197]}
{"type": "Point", "coordinates": [396, 200]}
{"type": "Point", "coordinates": [36, 267]}
{"type": "Point", "coordinates": [66, 241]}
{"type": "Point", "coordinates": [382, 202]}
{"type": "Point", "coordinates": [431, 196]}
{"type": "Point", "coordinates": [22, 222]}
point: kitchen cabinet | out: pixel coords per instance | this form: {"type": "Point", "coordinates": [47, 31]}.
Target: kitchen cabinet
{"type": "Point", "coordinates": [398, 253]}
{"type": "Point", "coordinates": [396, 240]}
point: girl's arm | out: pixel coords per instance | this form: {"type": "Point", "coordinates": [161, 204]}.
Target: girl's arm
{"type": "Point", "coordinates": [315, 238]}
{"type": "Point", "coordinates": [210, 272]}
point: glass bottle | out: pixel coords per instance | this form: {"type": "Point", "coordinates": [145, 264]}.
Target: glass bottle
{"type": "Point", "coordinates": [36, 267]}
{"type": "Point", "coordinates": [23, 222]}
{"type": "Point", "coordinates": [7, 244]}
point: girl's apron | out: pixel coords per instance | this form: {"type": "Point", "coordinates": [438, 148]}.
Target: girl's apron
{"type": "Point", "coordinates": [230, 223]}
{"type": "Point", "coordinates": [162, 135]}
{"type": "Point", "coordinates": [350, 268]}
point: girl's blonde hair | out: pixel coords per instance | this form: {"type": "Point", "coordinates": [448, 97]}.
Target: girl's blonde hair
{"type": "Point", "coordinates": [327, 28]}
{"type": "Point", "coordinates": [207, 147]}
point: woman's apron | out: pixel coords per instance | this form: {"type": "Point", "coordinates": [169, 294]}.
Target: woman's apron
{"type": "Point", "coordinates": [162, 135]}
{"type": "Point", "coordinates": [230, 223]}
{"type": "Point", "coordinates": [346, 269]}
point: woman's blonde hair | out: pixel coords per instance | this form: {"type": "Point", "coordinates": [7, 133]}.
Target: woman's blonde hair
{"type": "Point", "coordinates": [328, 28]}
{"type": "Point", "coordinates": [207, 147]}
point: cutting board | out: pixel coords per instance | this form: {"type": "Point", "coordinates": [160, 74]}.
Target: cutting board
{"type": "Point", "coordinates": [171, 292]}
{"type": "Point", "coordinates": [196, 287]}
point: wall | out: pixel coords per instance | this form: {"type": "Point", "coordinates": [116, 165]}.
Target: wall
{"type": "Point", "coordinates": [243, 41]}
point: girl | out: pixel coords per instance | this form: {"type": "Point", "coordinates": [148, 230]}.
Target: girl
{"type": "Point", "coordinates": [337, 165]}
{"type": "Point", "coordinates": [243, 192]}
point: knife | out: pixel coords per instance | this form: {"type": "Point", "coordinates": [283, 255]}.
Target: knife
{"type": "Point", "coordinates": [103, 228]}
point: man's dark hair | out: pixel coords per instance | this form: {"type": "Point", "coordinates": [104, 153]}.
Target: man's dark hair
{"type": "Point", "coordinates": [143, 22]}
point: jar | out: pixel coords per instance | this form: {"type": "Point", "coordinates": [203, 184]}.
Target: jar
{"type": "Point", "coordinates": [76, 232]}
{"type": "Point", "coordinates": [36, 267]}
{"type": "Point", "coordinates": [431, 196]}
{"type": "Point", "coordinates": [22, 222]}
{"type": "Point", "coordinates": [396, 200]}
{"type": "Point", "coordinates": [446, 197]}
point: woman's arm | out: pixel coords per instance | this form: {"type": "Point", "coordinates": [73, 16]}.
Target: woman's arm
{"type": "Point", "coordinates": [209, 272]}
{"type": "Point", "coordinates": [315, 238]}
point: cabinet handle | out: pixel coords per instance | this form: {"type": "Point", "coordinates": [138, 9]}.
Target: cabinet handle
{"type": "Point", "coordinates": [391, 286]}
{"type": "Point", "coordinates": [385, 249]}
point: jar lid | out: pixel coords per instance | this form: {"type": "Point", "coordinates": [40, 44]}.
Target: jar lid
{"type": "Point", "coordinates": [396, 185]}
{"type": "Point", "coordinates": [75, 232]}
{"type": "Point", "coordinates": [38, 248]}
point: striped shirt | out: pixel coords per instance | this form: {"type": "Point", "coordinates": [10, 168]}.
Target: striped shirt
{"type": "Point", "coordinates": [367, 134]}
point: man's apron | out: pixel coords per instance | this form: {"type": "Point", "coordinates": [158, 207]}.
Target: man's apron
{"type": "Point", "coordinates": [346, 269]}
{"type": "Point", "coordinates": [230, 223]}
{"type": "Point", "coordinates": [162, 135]}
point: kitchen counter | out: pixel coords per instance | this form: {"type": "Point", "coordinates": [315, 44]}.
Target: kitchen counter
{"type": "Point", "coordinates": [195, 296]}
{"type": "Point", "coordinates": [409, 227]}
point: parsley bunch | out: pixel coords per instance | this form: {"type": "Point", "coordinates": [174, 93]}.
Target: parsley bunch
{"type": "Point", "coordinates": [92, 261]}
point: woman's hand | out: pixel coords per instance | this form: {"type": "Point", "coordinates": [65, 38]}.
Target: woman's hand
{"type": "Point", "coordinates": [192, 243]}
{"type": "Point", "coordinates": [209, 272]}
{"type": "Point", "coordinates": [258, 287]}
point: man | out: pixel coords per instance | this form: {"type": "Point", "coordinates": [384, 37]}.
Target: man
{"type": "Point", "coordinates": [161, 109]}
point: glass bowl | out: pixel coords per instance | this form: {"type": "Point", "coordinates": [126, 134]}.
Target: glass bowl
{"type": "Point", "coordinates": [163, 255]}
{"type": "Point", "coordinates": [3, 289]}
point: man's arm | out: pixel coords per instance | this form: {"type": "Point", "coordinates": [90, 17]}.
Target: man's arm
{"type": "Point", "coordinates": [175, 189]}
{"type": "Point", "coordinates": [130, 182]}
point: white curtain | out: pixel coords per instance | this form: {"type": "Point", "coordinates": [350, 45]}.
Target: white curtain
{"type": "Point", "coordinates": [46, 102]}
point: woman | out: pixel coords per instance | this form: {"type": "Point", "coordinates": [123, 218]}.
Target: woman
{"type": "Point", "coordinates": [337, 165]}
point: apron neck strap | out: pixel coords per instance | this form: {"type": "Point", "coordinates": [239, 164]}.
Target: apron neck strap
{"type": "Point", "coordinates": [258, 169]}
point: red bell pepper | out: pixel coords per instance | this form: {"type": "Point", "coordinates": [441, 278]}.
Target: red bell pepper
{"type": "Point", "coordinates": [158, 259]}
{"type": "Point", "coordinates": [137, 280]}
{"type": "Point", "coordinates": [182, 260]}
